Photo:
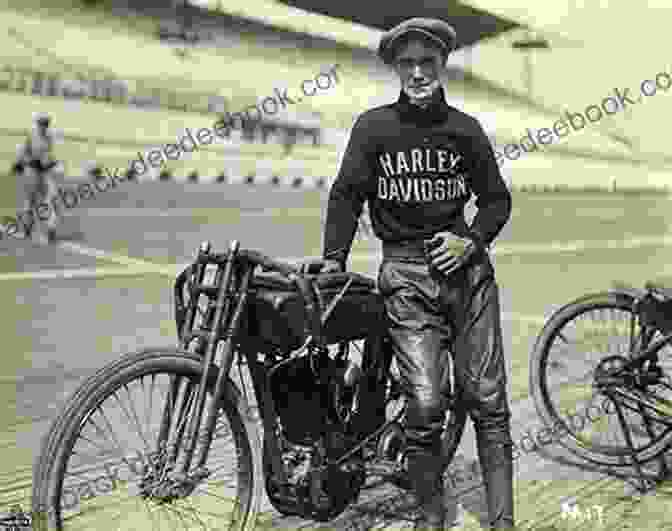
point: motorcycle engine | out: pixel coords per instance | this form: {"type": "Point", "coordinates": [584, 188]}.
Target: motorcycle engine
{"type": "Point", "coordinates": [310, 404]}
{"type": "Point", "coordinates": [313, 413]}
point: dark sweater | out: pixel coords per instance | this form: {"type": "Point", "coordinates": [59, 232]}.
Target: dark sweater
{"type": "Point", "coordinates": [417, 168]}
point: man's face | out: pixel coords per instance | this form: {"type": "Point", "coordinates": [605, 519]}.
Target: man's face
{"type": "Point", "coordinates": [419, 65]}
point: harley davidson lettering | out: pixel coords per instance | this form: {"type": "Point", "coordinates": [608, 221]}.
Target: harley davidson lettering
{"type": "Point", "coordinates": [412, 176]}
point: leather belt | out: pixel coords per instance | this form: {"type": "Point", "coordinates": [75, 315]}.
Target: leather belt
{"type": "Point", "coordinates": [407, 250]}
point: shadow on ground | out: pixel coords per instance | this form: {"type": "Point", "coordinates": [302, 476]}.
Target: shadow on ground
{"type": "Point", "coordinates": [383, 505]}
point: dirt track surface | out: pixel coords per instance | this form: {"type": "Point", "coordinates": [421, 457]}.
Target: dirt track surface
{"type": "Point", "coordinates": [69, 318]}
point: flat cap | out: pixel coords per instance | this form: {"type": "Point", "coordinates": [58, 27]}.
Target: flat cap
{"type": "Point", "coordinates": [439, 31]}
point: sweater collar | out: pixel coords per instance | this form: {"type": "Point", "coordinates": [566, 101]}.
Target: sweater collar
{"type": "Point", "coordinates": [435, 112]}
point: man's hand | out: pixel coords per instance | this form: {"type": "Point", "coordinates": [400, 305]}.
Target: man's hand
{"type": "Point", "coordinates": [321, 266]}
{"type": "Point", "coordinates": [448, 252]}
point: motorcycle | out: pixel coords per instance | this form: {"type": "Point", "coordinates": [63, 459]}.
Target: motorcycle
{"type": "Point", "coordinates": [326, 411]}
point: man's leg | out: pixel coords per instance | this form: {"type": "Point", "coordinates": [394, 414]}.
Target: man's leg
{"type": "Point", "coordinates": [480, 374]}
{"type": "Point", "coordinates": [29, 182]}
{"type": "Point", "coordinates": [50, 199]}
{"type": "Point", "coordinates": [418, 334]}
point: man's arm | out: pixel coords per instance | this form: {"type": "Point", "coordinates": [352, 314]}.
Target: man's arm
{"type": "Point", "coordinates": [493, 198]}
{"type": "Point", "coordinates": [347, 197]}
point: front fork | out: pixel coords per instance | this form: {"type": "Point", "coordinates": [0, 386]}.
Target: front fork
{"type": "Point", "coordinates": [213, 338]}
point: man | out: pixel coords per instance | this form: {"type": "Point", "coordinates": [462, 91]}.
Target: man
{"type": "Point", "coordinates": [417, 162]}
{"type": "Point", "coordinates": [35, 165]}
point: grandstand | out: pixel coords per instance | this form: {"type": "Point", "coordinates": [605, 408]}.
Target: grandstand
{"type": "Point", "coordinates": [251, 48]}
{"type": "Point", "coordinates": [113, 134]}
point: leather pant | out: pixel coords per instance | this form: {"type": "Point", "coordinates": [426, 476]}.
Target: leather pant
{"type": "Point", "coordinates": [431, 316]}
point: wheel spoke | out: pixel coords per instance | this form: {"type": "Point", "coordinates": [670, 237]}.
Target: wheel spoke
{"type": "Point", "coordinates": [122, 454]}
{"type": "Point", "coordinates": [136, 418]}
{"type": "Point", "coordinates": [151, 398]}
{"type": "Point", "coordinates": [595, 332]}
{"type": "Point", "coordinates": [128, 418]}
{"type": "Point", "coordinates": [105, 487]}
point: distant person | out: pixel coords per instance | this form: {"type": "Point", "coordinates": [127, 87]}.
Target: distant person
{"type": "Point", "coordinates": [417, 162]}
{"type": "Point", "coordinates": [36, 168]}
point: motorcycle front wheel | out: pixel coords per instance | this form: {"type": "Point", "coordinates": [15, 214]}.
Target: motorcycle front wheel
{"type": "Point", "coordinates": [102, 468]}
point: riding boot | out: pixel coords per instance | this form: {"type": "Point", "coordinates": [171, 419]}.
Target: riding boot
{"type": "Point", "coordinates": [497, 465]}
{"type": "Point", "coordinates": [425, 475]}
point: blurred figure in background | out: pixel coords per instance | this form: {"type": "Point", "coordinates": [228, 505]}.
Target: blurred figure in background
{"type": "Point", "coordinates": [36, 168]}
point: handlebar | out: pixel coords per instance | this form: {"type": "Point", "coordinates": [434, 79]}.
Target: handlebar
{"type": "Point", "coordinates": [269, 263]}
{"type": "Point", "coordinates": [255, 258]}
